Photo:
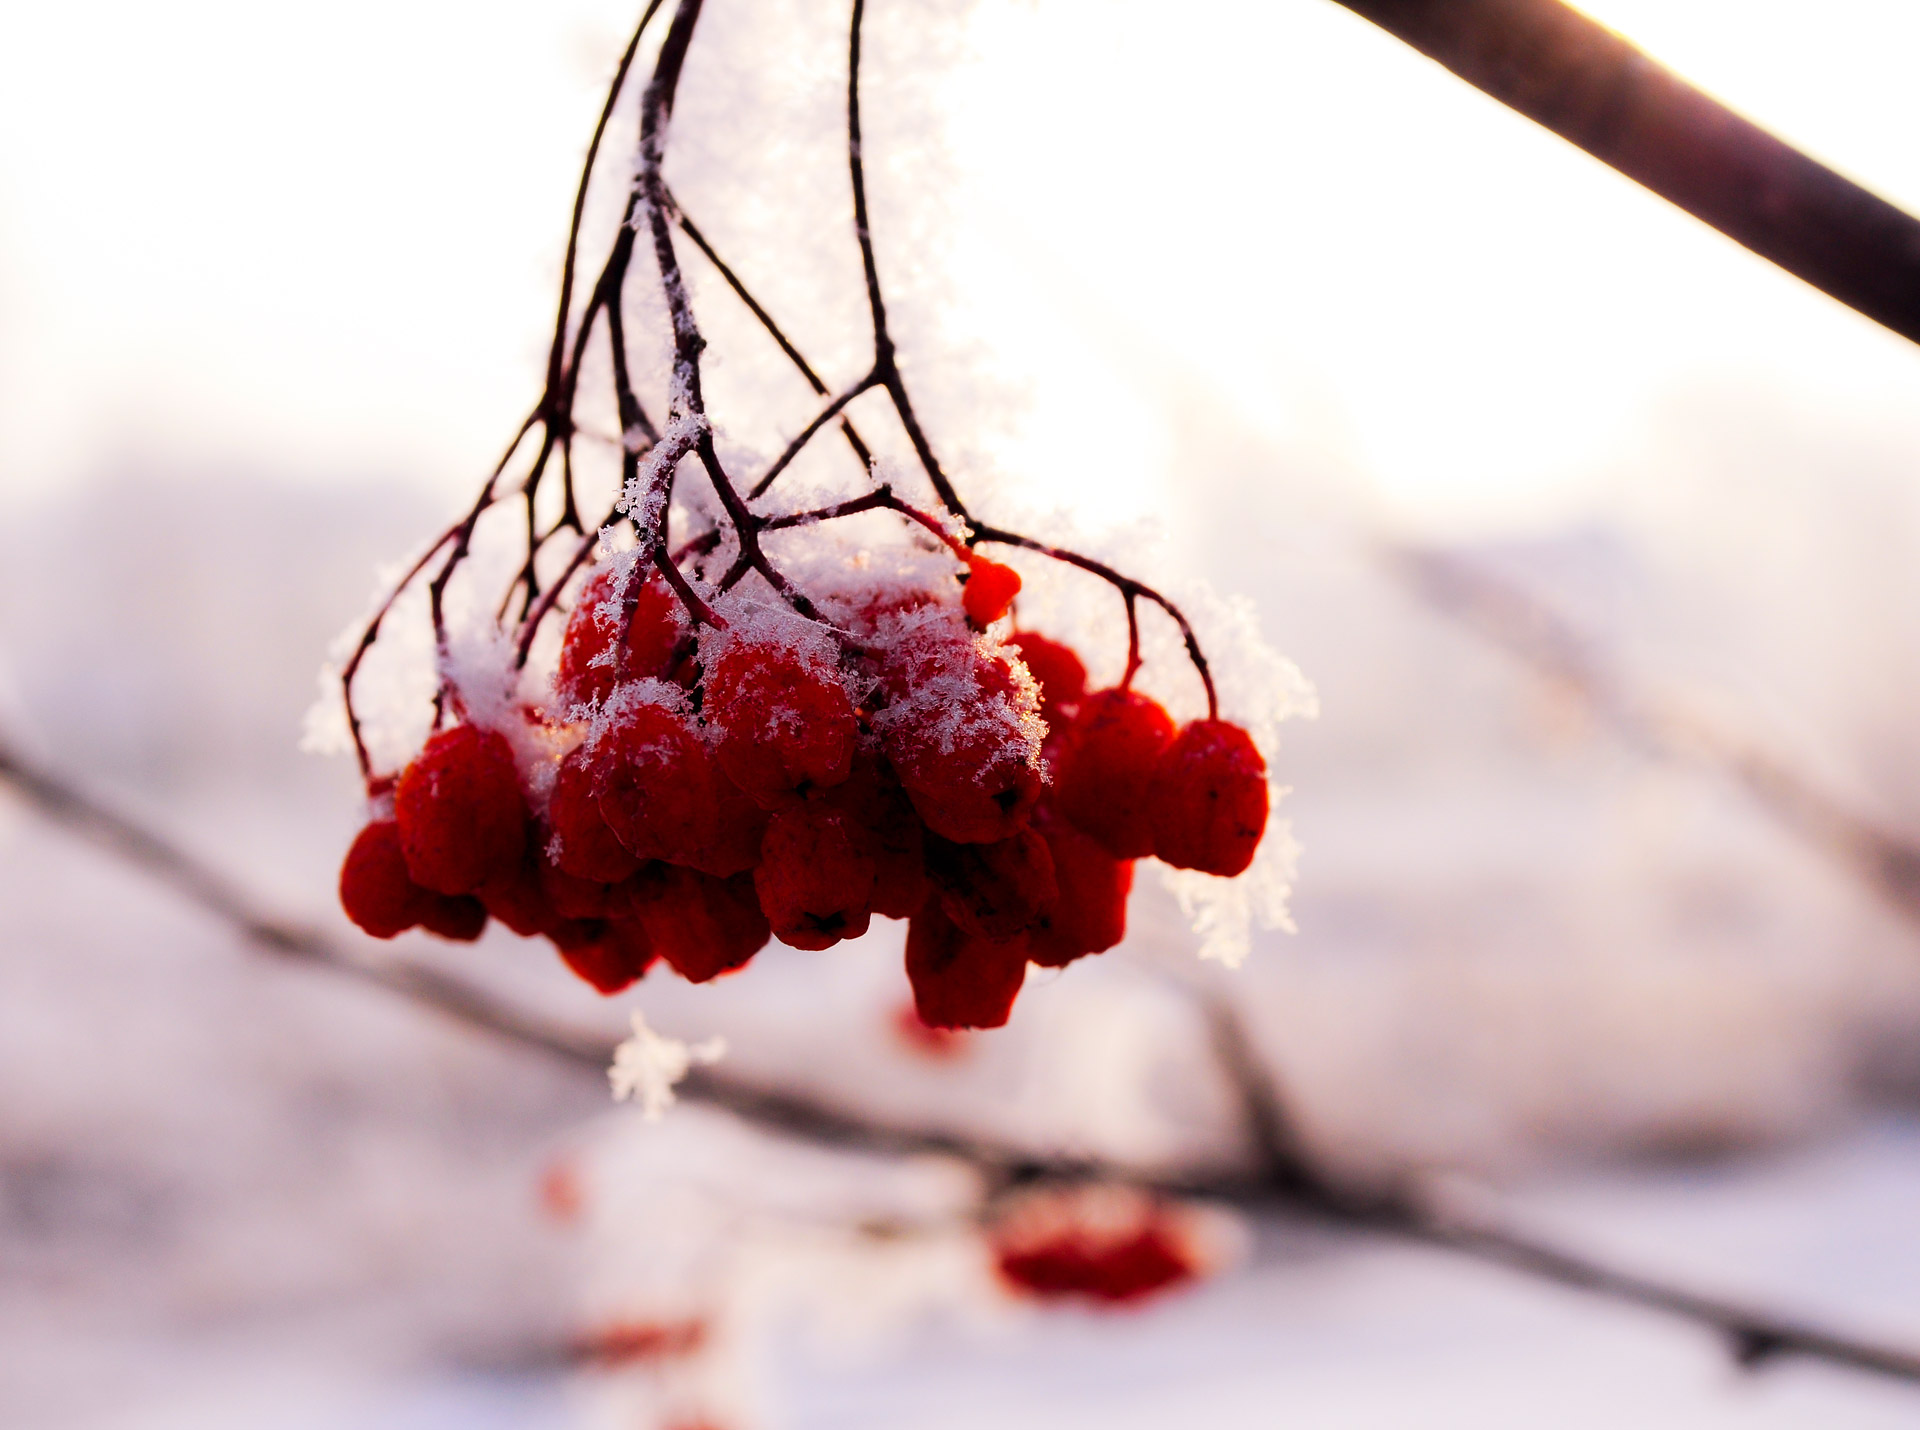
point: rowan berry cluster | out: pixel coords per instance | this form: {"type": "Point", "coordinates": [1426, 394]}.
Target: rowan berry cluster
{"type": "Point", "coordinates": [731, 749]}
{"type": "Point", "coordinates": [690, 792]}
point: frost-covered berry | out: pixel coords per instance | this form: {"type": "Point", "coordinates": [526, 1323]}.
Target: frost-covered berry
{"type": "Point", "coordinates": [610, 954]}
{"type": "Point", "coordinates": [1090, 916]}
{"type": "Point", "coordinates": [1107, 769]}
{"type": "Point", "coordinates": [590, 662]}
{"type": "Point", "coordinates": [654, 781]}
{"type": "Point", "coordinates": [582, 843]}
{"type": "Point", "coordinates": [462, 817]}
{"type": "Point", "coordinates": [994, 891]}
{"type": "Point", "coordinates": [375, 888]}
{"type": "Point", "coordinates": [1061, 676]}
{"type": "Point", "coordinates": [815, 877]}
{"type": "Point", "coordinates": [962, 731]}
{"type": "Point", "coordinates": [960, 981]}
{"type": "Point", "coordinates": [782, 719]}
{"type": "Point", "coordinates": [990, 590]}
{"type": "Point", "coordinates": [1209, 799]}
{"type": "Point", "coordinates": [701, 925]}
{"type": "Point", "coordinates": [459, 917]}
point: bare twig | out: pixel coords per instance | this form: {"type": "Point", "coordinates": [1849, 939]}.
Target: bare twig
{"type": "Point", "coordinates": [1283, 1180]}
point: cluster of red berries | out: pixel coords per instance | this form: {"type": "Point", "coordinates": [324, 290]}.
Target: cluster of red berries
{"type": "Point", "coordinates": [1101, 1244]}
{"type": "Point", "coordinates": [767, 776]}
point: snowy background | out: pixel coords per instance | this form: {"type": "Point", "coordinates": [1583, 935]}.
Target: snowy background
{"type": "Point", "coordinates": [1252, 290]}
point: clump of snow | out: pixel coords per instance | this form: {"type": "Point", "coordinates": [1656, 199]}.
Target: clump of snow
{"type": "Point", "coordinates": [771, 625]}
{"type": "Point", "coordinates": [1225, 912]}
{"type": "Point", "coordinates": [631, 695]}
{"type": "Point", "coordinates": [647, 1066]}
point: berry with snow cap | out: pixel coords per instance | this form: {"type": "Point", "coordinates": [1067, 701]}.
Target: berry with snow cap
{"type": "Point", "coordinates": [781, 717]}
{"type": "Point", "coordinates": [593, 659]}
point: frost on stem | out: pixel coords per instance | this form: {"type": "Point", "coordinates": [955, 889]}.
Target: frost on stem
{"type": "Point", "coordinates": [721, 714]}
{"type": "Point", "coordinates": [647, 1066]}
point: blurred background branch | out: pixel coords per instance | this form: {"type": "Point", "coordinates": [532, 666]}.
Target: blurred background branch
{"type": "Point", "coordinates": [1507, 616]}
{"type": "Point", "coordinates": [1282, 1177]}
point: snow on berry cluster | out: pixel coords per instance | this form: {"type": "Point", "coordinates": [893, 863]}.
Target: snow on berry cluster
{"type": "Point", "coordinates": [683, 794]}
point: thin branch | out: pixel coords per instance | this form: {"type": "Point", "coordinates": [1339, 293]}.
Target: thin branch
{"type": "Point", "coordinates": [793, 449]}
{"type": "Point", "coordinates": [1285, 1181]}
{"type": "Point", "coordinates": [554, 356]}
{"type": "Point", "coordinates": [1131, 590]}
{"type": "Point", "coordinates": [773, 330]}
{"type": "Point", "coordinates": [885, 363]}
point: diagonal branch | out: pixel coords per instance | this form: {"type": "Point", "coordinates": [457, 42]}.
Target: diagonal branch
{"type": "Point", "coordinates": [1594, 89]}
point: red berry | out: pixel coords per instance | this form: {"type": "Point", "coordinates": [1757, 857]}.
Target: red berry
{"type": "Point", "coordinates": [570, 897]}
{"type": "Point", "coordinates": [664, 798]}
{"type": "Point", "coordinates": [654, 781]}
{"type": "Point", "coordinates": [733, 841]}
{"type": "Point", "coordinates": [1057, 670]}
{"type": "Point", "coordinates": [583, 844]}
{"type": "Point", "coordinates": [783, 719]}
{"type": "Point", "coordinates": [990, 589]}
{"type": "Point", "coordinates": [375, 888]}
{"type": "Point", "coordinates": [516, 898]}
{"type": "Point", "coordinates": [960, 981]}
{"type": "Point", "coordinates": [459, 917]}
{"type": "Point", "coordinates": [461, 814]}
{"type": "Point", "coordinates": [701, 925]}
{"type": "Point", "coordinates": [1107, 769]}
{"type": "Point", "coordinates": [588, 662]}
{"type": "Point", "coordinates": [1090, 915]}
{"type": "Point", "coordinates": [891, 833]}
{"type": "Point", "coordinates": [611, 954]}
{"type": "Point", "coordinates": [1209, 799]}
{"type": "Point", "coordinates": [994, 891]}
{"type": "Point", "coordinates": [815, 878]}
{"type": "Point", "coordinates": [1098, 1244]}
{"type": "Point", "coordinates": [963, 734]}
{"type": "Point", "coordinates": [866, 609]}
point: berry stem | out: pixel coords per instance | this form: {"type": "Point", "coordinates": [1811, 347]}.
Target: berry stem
{"type": "Point", "coordinates": [1130, 589]}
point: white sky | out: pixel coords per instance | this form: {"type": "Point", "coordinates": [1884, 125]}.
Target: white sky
{"type": "Point", "coordinates": [324, 241]}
